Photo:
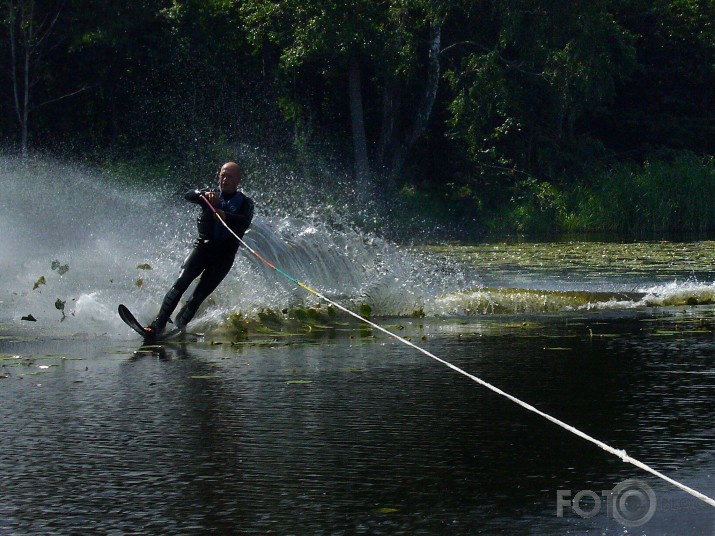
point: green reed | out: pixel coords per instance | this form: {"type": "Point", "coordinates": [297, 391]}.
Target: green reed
{"type": "Point", "coordinates": [659, 196]}
{"type": "Point", "coordinates": [672, 194]}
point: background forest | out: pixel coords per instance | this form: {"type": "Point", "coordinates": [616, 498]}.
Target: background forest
{"type": "Point", "coordinates": [511, 116]}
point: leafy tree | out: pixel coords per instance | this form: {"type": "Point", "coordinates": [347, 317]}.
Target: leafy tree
{"type": "Point", "coordinates": [114, 48]}
{"type": "Point", "coordinates": [472, 103]}
{"type": "Point", "coordinates": [326, 46]}
{"type": "Point", "coordinates": [668, 101]}
{"type": "Point", "coordinates": [519, 92]}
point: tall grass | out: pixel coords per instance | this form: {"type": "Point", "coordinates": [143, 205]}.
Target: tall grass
{"type": "Point", "coordinates": [673, 195]}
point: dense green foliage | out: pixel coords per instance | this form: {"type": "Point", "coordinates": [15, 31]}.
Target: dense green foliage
{"type": "Point", "coordinates": [514, 115]}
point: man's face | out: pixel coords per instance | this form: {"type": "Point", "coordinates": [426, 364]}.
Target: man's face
{"type": "Point", "coordinates": [228, 178]}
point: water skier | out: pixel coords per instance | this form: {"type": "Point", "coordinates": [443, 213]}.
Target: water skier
{"type": "Point", "coordinates": [215, 248]}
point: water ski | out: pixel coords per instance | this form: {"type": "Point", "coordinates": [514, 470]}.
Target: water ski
{"type": "Point", "coordinates": [130, 320]}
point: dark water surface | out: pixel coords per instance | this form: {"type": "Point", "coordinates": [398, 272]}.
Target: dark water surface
{"type": "Point", "coordinates": [360, 436]}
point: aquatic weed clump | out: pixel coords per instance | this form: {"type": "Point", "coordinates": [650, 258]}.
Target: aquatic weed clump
{"type": "Point", "coordinates": [298, 321]}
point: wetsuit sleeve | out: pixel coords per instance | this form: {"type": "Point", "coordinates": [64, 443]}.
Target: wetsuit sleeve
{"type": "Point", "coordinates": [194, 196]}
{"type": "Point", "coordinates": [239, 223]}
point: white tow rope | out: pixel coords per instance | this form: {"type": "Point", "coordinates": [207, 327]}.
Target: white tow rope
{"type": "Point", "coordinates": [616, 452]}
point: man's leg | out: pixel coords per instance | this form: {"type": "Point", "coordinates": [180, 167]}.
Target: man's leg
{"type": "Point", "coordinates": [210, 279]}
{"type": "Point", "coordinates": [190, 270]}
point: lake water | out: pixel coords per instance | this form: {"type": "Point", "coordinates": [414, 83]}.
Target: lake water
{"type": "Point", "coordinates": [284, 419]}
{"type": "Point", "coordinates": [362, 434]}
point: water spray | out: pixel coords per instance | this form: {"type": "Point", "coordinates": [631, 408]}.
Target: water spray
{"type": "Point", "coordinates": [620, 453]}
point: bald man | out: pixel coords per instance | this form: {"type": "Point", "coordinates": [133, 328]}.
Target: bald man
{"type": "Point", "coordinates": [214, 250]}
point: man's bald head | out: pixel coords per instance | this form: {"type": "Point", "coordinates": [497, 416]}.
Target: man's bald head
{"type": "Point", "coordinates": [229, 177]}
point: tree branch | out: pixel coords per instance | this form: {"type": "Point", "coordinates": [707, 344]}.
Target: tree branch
{"type": "Point", "coordinates": [517, 66]}
{"type": "Point", "coordinates": [50, 101]}
{"type": "Point", "coordinates": [50, 26]}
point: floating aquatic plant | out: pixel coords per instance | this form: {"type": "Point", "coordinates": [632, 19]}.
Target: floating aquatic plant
{"type": "Point", "coordinates": [365, 311]}
{"type": "Point", "coordinates": [61, 269]}
{"type": "Point", "coordinates": [60, 306]}
{"type": "Point", "coordinates": [387, 510]}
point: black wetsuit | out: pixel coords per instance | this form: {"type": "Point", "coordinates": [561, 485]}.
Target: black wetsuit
{"type": "Point", "coordinates": [211, 257]}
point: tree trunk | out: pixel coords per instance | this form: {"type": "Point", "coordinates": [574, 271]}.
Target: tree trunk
{"type": "Point", "coordinates": [26, 97]}
{"type": "Point", "coordinates": [28, 39]}
{"type": "Point", "coordinates": [424, 109]}
{"type": "Point", "coordinates": [390, 112]}
{"type": "Point", "coordinates": [20, 20]}
{"type": "Point", "coordinates": [362, 166]}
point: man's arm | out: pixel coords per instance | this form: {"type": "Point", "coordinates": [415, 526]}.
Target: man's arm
{"type": "Point", "coordinates": [194, 196]}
